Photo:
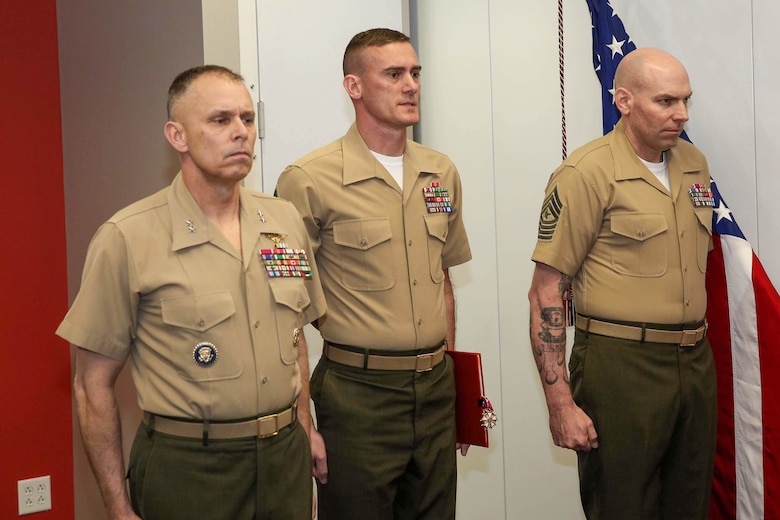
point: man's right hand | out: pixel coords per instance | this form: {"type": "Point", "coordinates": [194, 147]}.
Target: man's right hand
{"type": "Point", "coordinates": [573, 429]}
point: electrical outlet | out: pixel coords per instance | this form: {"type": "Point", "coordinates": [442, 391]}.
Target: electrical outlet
{"type": "Point", "coordinates": [34, 495]}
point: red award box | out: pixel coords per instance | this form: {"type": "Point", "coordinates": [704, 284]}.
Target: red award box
{"type": "Point", "coordinates": [473, 411]}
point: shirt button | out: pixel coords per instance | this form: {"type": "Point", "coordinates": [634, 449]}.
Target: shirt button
{"type": "Point", "coordinates": [685, 269]}
{"type": "Point", "coordinates": [419, 322]}
{"type": "Point", "coordinates": [201, 323]}
{"type": "Point", "coordinates": [265, 380]}
{"type": "Point", "coordinates": [414, 282]}
{"type": "Point", "coordinates": [300, 304]}
{"type": "Point", "coordinates": [410, 243]}
{"type": "Point", "coordinates": [687, 303]}
{"type": "Point", "coordinates": [363, 242]}
{"type": "Point", "coordinates": [257, 324]}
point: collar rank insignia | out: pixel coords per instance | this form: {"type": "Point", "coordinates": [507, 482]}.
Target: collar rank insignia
{"type": "Point", "coordinates": [437, 199]}
{"type": "Point", "coordinates": [283, 261]}
{"type": "Point", "coordinates": [701, 196]}
{"type": "Point", "coordinates": [205, 354]}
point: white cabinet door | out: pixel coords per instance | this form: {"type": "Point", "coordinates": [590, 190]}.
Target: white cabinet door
{"type": "Point", "coordinates": [298, 53]}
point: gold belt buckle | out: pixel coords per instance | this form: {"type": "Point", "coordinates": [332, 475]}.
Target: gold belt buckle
{"type": "Point", "coordinates": [688, 338]}
{"type": "Point", "coordinates": [264, 420]}
{"type": "Point", "coordinates": [428, 365]}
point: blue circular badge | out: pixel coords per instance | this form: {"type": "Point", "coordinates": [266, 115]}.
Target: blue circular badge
{"type": "Point", "coordinates": [205, 354]}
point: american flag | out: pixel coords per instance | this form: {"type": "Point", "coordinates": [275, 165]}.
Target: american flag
{"type": "Point", "coordinates": [743, 312]}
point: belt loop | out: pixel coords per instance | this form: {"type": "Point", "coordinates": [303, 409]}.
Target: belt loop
{"type": "Point", "coordinates": [365, 358]}
{"type": "Point", "coordinates": [644, 330]}
{"type": "Point", "coordinates": [205, 432]}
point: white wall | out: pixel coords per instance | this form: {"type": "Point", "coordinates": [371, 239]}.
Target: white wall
{"type": "Point", "coordinates": [491, 100]}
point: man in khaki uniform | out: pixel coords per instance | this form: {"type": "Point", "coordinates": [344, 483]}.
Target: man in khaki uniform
{"type": "Point", "coordinates": [384, 217]}
{"type": "Point", "coordinates": [627, 218]}
{"type": "Point", "coordinates": [205, 287]}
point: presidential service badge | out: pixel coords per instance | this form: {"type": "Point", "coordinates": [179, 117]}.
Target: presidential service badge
{"type": "Point", "coordinates": [205, 354]}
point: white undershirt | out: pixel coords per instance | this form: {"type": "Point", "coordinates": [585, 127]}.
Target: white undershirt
{"type": "Point", "coordinates": [394, 165]}
{"type": "Point", "coordinates": [660, 170]}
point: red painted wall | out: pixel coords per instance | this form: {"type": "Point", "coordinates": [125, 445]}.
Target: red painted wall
{"type": "Point", "coordinates": [36, 429]}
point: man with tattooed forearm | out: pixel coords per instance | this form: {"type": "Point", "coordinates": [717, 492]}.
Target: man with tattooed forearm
{"type": "Point", "coordinates": [626, 220]}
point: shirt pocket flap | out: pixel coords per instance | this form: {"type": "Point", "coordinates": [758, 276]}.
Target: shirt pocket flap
{"type": "Point", "coordinates": [198, 312]}
{"type": "Point", "coordinates": [290, 292]}
{"type": "Point", "coordinates": [638, 226]}
{"type": "Point", "coordinates": [362, 234]}
{"type": "Point", "coordinates": [705, 219]}
{"type": "Point", "coordinates": [438, 225]}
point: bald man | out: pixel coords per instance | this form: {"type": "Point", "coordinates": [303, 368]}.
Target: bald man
{"type": "Point", "coordinates": [626, 219]}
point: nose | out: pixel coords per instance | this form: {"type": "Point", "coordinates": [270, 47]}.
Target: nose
{"type": "Point", "coordinates": [240, 129]}
{"type": "Point", "coordinates": [411, 83]}
{"type": "Point", "coordinates": [681, 111]}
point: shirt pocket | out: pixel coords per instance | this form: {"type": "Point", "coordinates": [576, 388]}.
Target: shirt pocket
{"type": "Point", "coordinates": [438, 225]}
{"type": "Point", "coordinates": [197, 319]}
{"type": "Point", "coordinates": [365, 253]}
{"type": "Point", "coordinates": [291, 299]}
{"type": "Point", "coordinates": [703, 237]}
{"type": "Point", "coordinates": [640, 248]}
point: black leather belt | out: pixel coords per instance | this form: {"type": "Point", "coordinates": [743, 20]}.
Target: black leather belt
{"type": "Point", "coordinates": [683, 338]}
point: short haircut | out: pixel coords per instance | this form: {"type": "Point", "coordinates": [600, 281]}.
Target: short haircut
{"type": "Point", "coordinates": [184, 80]}
{"type": "Point", "coordinates": [370, 38]}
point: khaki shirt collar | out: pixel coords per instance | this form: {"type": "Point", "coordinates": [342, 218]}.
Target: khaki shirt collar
{"type": "Point", "coordinates": [624, 154]}
{"type": "Point", "coordinates": [360, 164]}
{"type": "Point", "coordinates": [192, 228]}
{"type": "Point", "coordinates": [189, 225]}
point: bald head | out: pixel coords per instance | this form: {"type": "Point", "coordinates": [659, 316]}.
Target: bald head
{"type": "Point", "coordinates": [652, 92]}
{"type": "Point", "coordinates": [637, 68]}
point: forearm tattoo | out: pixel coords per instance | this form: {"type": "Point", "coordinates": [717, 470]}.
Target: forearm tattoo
{"type": "Point", "coordinates": [550, 350]}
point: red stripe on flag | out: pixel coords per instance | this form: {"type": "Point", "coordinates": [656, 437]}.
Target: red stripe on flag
{"type": "Point", "coordinates": [723, 505]}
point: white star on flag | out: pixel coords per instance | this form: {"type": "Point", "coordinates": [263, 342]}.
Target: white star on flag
{"type": "Point", "coordinates": [723, 212]}
{"type": "Point", "coordinates": [616, 46]}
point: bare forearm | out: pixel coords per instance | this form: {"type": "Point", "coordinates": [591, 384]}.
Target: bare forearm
{"type": "Point", "coordinates": [102, 437]}
{"type": "Point", "coordinates": [304, 410]}
{"type": "Point", "coordinates": [100, 428]}
{"type": "Point", "coordinates": [449, 300]}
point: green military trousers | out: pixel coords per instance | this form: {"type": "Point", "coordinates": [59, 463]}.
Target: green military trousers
{"type": "Point", "coordinates": [236, 479]}
{"type": "Point", "coordinates": [655, 412]}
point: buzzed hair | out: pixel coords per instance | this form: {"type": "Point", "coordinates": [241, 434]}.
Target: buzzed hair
{"type": "Point", "coordinates": [184, 80]}
{"type": "Point", "coordinates": [370, 38]}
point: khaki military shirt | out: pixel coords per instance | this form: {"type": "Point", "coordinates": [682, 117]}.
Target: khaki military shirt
{"type": "Point", "coordinates": [209, 334]}
{"type": "Point", "coordinates": [380, 252]}
{"type": "Point", "coordinates": [636, 251]}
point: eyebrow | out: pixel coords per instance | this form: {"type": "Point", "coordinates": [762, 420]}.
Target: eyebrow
{"type": "Point", "coordinates": [223, 112]}
{"type": "Point", "coordinates": [400, 68]}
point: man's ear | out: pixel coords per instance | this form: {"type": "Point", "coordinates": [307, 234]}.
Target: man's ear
{"type": "Point", "coordinates": [174, 133]}
{"type": "Point", "coordinates": [623, 100]}
{"type": "Point", "coordinates": [353, 86]}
